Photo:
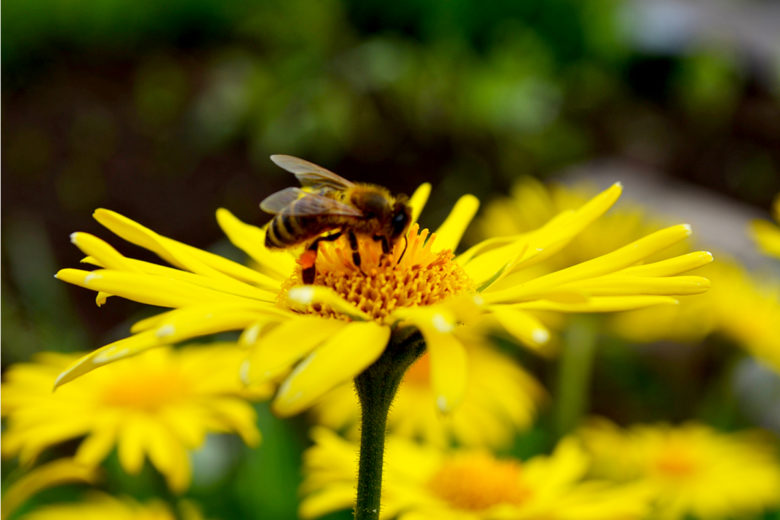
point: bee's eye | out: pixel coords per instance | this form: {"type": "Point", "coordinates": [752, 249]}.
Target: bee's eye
{"type": "Point", "coordinates": [400, 219]}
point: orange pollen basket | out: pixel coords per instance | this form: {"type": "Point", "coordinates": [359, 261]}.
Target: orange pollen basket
{"type": "Point", "coordinates": [478, 481]}
{"type": "Point", "coordinates": [411, 274]}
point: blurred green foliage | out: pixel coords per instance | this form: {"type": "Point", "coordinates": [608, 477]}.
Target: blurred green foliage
{"type": "Point", "coordinates": [168, 110]}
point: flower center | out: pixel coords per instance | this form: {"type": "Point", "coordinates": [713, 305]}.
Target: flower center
{"type": "Point", "coordinates": [147, 391]}
{"type": "Point", "coordinates": [675, 461]}
{"type": "Point", "coordinates": [419, 373]}
{"type": "Point", "coordinates": [478, 481]}
{"type": "Point", "coordinates": [411, 274]}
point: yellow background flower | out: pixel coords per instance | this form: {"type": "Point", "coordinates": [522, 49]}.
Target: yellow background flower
{"type": "Point", "coordinates": [160, 405]}
{"type": "Point", "coordinates": [426, 483]}
{"type": "Point", "coordinates": [692, 469]}
{"type": "Point", "coordinates": [501, 398]}
{"type": "Point", "coordinates": [767, 234]}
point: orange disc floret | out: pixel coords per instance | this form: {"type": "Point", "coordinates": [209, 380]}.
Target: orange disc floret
{"type": "Point", "coordinates": [412, 274]}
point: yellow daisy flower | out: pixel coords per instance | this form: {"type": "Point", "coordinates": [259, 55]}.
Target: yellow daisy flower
{"type": "Point", "coordinates": [766, 234]}
{"type": "Point", "coordinates": [54, 473]}
{"type": "Point", "coordinates": [500, 399]}
{"type": "Point", "coordinates": [422, 482]}
{"type": "Point", "coordinates": [335, 328]}
{"type": "Point", "coordinates": [100, 507]}
{"type": "Point", "coordinates": [160, 405]}
{"type": "Point", "coordinates": [692, 469]}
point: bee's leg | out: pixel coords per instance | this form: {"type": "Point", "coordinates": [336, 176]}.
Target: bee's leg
{"type": "Point", "coordinates": [385, 243]}
{"type": "Point", "coordinates": [309, 258]}
{"type": "Point", "coordinates": [353, 244]}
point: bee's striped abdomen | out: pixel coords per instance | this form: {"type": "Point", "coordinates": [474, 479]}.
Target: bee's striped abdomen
{"type": "Point", "coordinates": [286, 229]}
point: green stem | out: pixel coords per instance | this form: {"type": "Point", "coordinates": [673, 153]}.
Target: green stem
{"type": "Point", "coordinates": [574, 374]}
{"type": "Point", "coordinates": [376, 387]}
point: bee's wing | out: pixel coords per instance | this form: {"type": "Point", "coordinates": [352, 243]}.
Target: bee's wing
{"type": "Point", "coordinates": [302, 203]}
{"type": "Point", "coordinates": [309, 174]}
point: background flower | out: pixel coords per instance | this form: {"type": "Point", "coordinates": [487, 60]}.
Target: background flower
{"type": "Point", "coordinates": [423, 482]}
{"type": "Point", "coordinates": [693, 469]}
{"type": "Point", "coordinates": [501, 398]}
{"type": "Point", "coordinates": [160, 405]}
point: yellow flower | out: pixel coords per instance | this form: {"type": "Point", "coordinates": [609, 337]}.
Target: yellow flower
{"type": "Point", "coordinates": [422, 482]}
{"type": "Point", "coordinates": [500, 398]}
{"type": "Point", "coordinates": [60, 471]}
{"type": "Point", "coordinates": [159, 404]}
{"type": "Point", "coordinates": [767, 234]}
{"type": "Point", "coordinates": [692, 469]}
{"type": "Point", "coordinates": [335, 328]}
{"type": "Point", "coordinates": [100, 507]}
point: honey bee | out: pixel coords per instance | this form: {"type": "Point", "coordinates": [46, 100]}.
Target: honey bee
{"type": "Point", "coordinates": [333, 205]}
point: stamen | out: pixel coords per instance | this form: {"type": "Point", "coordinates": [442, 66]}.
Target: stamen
{"type": "Point", "coordinates": [410, 275]}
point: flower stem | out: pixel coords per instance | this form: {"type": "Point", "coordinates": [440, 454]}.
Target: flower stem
{"type": "Point", "coordinates": [574, 373]}
{"type": "Point", "coordinates": [376, 387]}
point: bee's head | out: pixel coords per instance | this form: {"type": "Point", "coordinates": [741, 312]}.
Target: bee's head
{"type": "Point", "coordinates": [402, 216]}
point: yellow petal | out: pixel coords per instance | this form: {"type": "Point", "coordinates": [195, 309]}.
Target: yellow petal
{"type": "Point", "coordinates": [561, 229]}
{"type": "Point", "coordinates": [418, 199]}
{"type": "Point", "coordinates": [610, 262]}
{"type": "Point", "coordinates": [131, 444]}
{"type": "Point", "coordinates": [448, 356]}
{"type": "Point", "coordinates": [150, 289]}
{"type": "Point", "coordinates": [303, 296]}
{"type": "Point", "coordinates": [251, 240]}
{"type": "Point", "coordinates": [96, 447]}
{"type": "Point", "coordinates": [341, 358]}
{"type": "Point", "coordinates": [100, 252]}
{"type": "Point", "coordinates": [449, 233]}
{"type": "Point", "coordinates": [523, 326]}
{"type": "Point", "coordinates": [767, 236]}
{"type": "Point", "coordinates": [169, 457]}
{"type": "Point", "coordinates": [621, 285]}
{"type": "Point", "coordinates": [276, 352]}
{"type": "Point", "coordinates": [178, 254]}
{"type": "Point", "coordinates": [598, 304]}
{"type": "Point", "coordinates": [671, 266]}
{"type": "Point", "coordinates": [61, 471]}
{"type": "Point", "coordinates": [179, 325]}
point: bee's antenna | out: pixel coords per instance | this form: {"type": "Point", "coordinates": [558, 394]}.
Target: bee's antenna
{"type": "Point", "coordinates": [406, 244]}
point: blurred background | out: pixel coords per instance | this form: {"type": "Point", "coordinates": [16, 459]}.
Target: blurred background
{"type": "Point", "coordinates": [165, 111]}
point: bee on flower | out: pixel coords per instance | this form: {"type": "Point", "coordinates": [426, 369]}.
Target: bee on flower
{"type": "Point", "coordinates": [335, 327]}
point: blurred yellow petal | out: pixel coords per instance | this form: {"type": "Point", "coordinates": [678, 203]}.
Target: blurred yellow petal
{"type": "Point", "coordinates": [97, 445]}
{"type": "Point", "coordinates": [61, 471]}
{"type": "Point", "coordinates": [341, 358]}
{"type": "Point", "coordinates": [448, 356]}
{"type": "Point", "coordinates": [449, 233]}
{"type": "Point", "coordinates": [523, 326]}
{"type": "Point", "coordinates": [767, 236]}
{"type": "Point", "coordinates": [131, 445]}
{"type": "Point", "coordinates": [418, 199]}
